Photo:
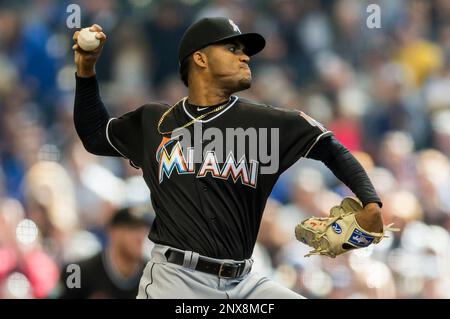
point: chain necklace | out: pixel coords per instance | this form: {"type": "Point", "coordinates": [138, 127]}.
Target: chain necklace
{"type": "Point", "coordinates": [163, 117]}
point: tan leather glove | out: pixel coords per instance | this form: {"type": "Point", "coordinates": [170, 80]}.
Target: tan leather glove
{"type": "Point", "coordinates": [337, 233]}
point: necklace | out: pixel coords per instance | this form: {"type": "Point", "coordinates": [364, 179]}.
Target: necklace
{"type": "Point", "coordinates": [163, 117]}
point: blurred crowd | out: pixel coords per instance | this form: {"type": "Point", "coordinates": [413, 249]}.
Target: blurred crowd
{"type": "Point", "coordinates": [384, 92]}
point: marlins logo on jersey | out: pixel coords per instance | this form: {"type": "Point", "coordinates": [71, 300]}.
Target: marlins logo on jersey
{"type": "Point", "coordinates": [173, 159]}
{"type": "Point", "coordinates": [170, 157]}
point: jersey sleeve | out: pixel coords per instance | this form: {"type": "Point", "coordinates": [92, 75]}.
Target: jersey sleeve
{"type": "Point", "coordinates": [298, 134]}
{"type": "Point", "coordinates": [125, 135]}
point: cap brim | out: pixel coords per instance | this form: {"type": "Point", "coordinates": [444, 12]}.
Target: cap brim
{"type": "Point", "coordinates": [253, 42]}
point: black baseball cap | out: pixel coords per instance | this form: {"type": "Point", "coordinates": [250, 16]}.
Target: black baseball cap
{"type": "Point", "coordinates": [132, 216]}
{"type": "Point", "coordinates": [208, 31]}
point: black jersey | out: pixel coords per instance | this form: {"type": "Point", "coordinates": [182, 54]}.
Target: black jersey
{"type": "Point", "coordinates": [213, 203]}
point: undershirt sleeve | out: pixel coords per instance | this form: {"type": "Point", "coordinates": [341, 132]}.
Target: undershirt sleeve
{"type": "Point", "coordinates": [101, 134]}
{"type": "Point", "coordinates": [346, 168]}
{"type": "Point", "coordinates": [91, 118]}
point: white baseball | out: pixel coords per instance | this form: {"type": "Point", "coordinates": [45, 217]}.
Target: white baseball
{"type": "Point", "coordinates": [87, 40]}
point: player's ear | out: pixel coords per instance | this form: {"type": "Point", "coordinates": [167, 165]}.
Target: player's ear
{"type": "Point", "coordinates": [200, 59]}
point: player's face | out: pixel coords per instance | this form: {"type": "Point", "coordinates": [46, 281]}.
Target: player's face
{"type": "Point", "coordinates": [228, 65]}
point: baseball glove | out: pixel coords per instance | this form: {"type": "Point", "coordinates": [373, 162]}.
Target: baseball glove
{"type": "Point", "coordinates": [337, 233]}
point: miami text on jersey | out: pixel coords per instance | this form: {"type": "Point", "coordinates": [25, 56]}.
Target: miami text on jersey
{"type": "Point", "coordinates": [170, 157]}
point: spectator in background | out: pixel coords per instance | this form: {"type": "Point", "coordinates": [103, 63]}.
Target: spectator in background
{"type": "Point", "coordinates": [26, 268]}
{"type": "Point", "coordinates": [115, 272]}
{"type": "Point", "coordinates": [168, 22]}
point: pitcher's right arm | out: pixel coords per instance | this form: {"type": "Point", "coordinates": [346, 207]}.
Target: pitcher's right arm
{"type": "Point", "coordinates": [90, 115]}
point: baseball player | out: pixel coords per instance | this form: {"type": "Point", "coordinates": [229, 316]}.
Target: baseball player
{"type": "Point", "coordinates": [209, 205]}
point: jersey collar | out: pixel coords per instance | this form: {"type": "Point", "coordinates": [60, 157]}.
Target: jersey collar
{"type": "Point", "coordinates": [232, 102]}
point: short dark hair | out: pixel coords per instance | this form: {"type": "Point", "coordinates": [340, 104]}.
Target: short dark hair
{"type": "Point", "coordinates": [184, 70]}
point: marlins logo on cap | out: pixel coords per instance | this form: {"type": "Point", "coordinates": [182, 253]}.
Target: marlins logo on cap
{"type": "Point", "coordinates": [209, 31]}
{"type": "Point", "coordinates": [234, 25]}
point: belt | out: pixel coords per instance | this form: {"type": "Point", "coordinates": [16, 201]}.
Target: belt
{"type": "Point", "coordinates": [223, 269]}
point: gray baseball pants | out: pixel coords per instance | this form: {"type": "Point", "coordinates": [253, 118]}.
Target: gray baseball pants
{"type": "Point", "coordinates": [164, 280]}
